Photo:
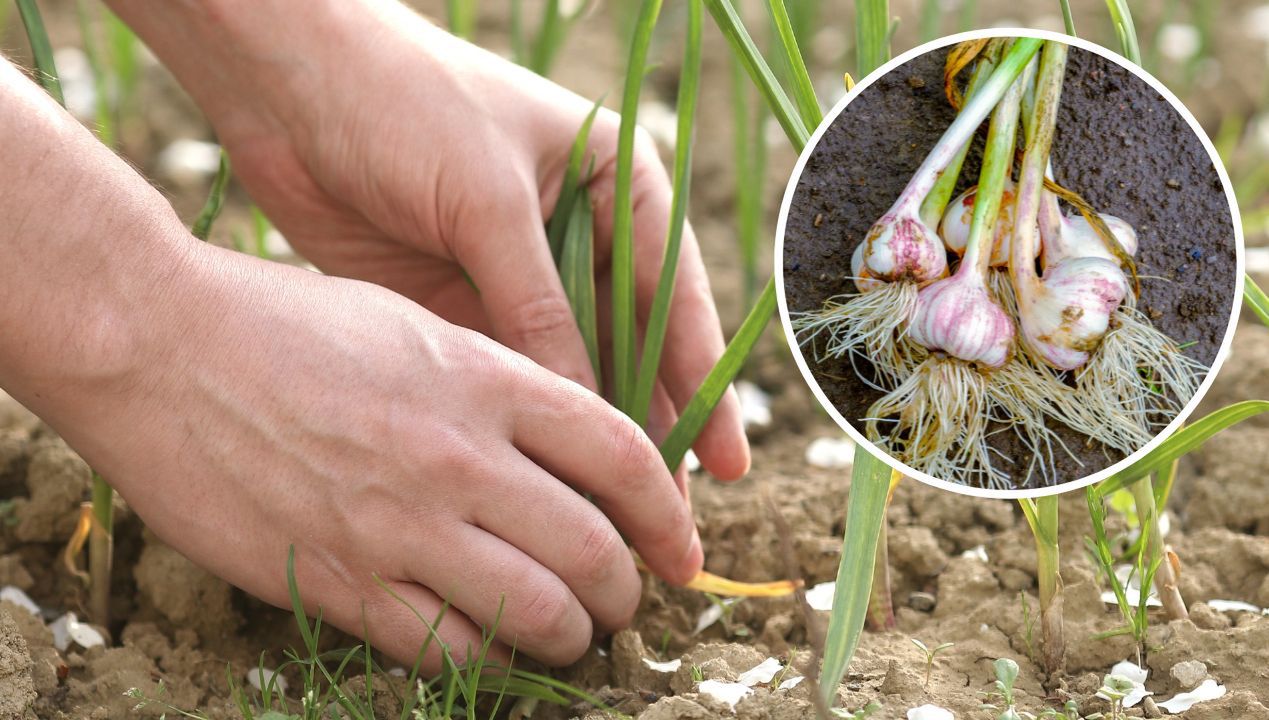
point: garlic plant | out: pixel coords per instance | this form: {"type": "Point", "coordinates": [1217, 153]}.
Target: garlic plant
{"type": "Point", "coordinates": [1032, 325]}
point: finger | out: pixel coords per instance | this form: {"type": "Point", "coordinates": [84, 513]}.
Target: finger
{"type": "Point", "coordinates": [579, 438]}
{"type": "Point", "coordinates": [502, 589]}
{"type": "Point", "coordinates": [568, 535]}
{"type": "Point", "coordinates": [406, 625]}
{"type": "Point", "coordinates": [661, 419]}
{"type": "Point", "coordinates": [505, 251]}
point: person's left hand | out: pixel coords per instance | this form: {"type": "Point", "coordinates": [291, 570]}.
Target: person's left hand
{"type": "Point", "coordinates": [387, 150]}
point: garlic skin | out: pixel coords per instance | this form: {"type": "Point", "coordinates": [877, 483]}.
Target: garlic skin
{"type": "Point", "coordinates": [901, 247]}
{"type": "Point", "coordinates": [863, 278]}
{"type": "Point", "coordinates": [1079, 239]}
{"type": "Point", "coordinates": [1074, 237]}
{"type": "Point", "coordinates": [954, 227]}
{"type": "Point", "coordinates": [959, 316]}
{"type": "Point", "coordinates": [1066, 315]}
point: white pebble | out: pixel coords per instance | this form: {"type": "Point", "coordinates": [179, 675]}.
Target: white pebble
{"type": "Point", "coordinates": [14, 594]}
{"type": "Point", "coordinates": [833, 453]}
{"type": "Point", "coordinates": [664, 667]}
{"type": "Point", "coordinates": [1137, 676]}
{"type": "Point", "coordinates": [260, 678]}
{"type": "Point", "coordinates": [1208, 690]}
{"type": "Point", "coordinates": [1189, 673]}
{"type": "Point", "coordinates": [761, 673]}
{"type": "Point", "coordinates": [188, 161]}
{"type": "Point", "coordinates": [728, 693]}
{"type": "Point", "coordinates": [978, 552]}
{"type": "Point", "coordinates": [820, 597]}
{"type": "Point", "coordinates": [755, 404]}
{"type": "Point", "coordinates": [1178, 41]}
{"type": "Point", "coordinates": [1232, 606]}
{"type": "Point", "coordinates": [791, 683]}
{"type": "Point", "coordinates": [930, 712]}
{"type": "Point", "coordinates": [67, 629]}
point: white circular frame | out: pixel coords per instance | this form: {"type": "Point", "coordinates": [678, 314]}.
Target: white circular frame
{"type": "Point", "coordinates": [867, 82]}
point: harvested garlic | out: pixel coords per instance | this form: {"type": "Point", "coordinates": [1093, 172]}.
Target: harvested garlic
{"type": "Point", "coordinates": [954, 227]}
{"type": "Point", "coordinates": [901, 247]}
{"type": "Point", "coordinates": [1074, 237]}
{"type": "Point", "coordinates": [960, 317]}
{"type": "Point", "coordinates": [1066, 314]}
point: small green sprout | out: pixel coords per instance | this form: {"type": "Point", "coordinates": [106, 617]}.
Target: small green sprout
{"type": "Point", "coordinates": [929, 657]}
{"type": "Point", "coordinates": [1028, 626]}
{"type": "Point", "coordinates": [727, 606]}
{"type": "Point", "coordinates": [859, 714]}
{"type": "Point", "coordinates": [1006, 675]}
{"type": "Point", "coordinates": [698, 675]}
{"type": "Point", "coordinates": [1114, 689]}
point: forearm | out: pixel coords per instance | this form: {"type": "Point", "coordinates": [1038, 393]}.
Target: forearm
{"type": "Point", "coordinates": [89, 250]}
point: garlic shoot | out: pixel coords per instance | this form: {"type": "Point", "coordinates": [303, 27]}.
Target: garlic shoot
{"type": "Point", "coordinates": [954, 226]}
{"type": "Point", "coordinates": [1065, 314]}
{"type": "Point", "coordinates": [902, 245]}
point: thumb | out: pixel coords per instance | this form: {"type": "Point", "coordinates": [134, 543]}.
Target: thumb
{"type": "Point", "coordinates": [505, 252]}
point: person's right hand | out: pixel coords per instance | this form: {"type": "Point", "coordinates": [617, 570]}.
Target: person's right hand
{"type": "Point", "coordinates": [270, 406]}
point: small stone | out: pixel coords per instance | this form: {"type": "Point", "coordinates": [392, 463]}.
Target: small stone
{"type": "Point", "coordinates": [1206, 618]}
{"type": "Point", "coordinates": [922, 601]}
{"type": "Point", "coordinates": [675, 708]}
{"type": "Point", "coordinates": [1174, 183]}
{"type": "Point", "coordinates": [1150, 709]}
{"type": "Point", "coordinates": [916, 82]}
{"type": "Point", "coordinates": [1189, 673]}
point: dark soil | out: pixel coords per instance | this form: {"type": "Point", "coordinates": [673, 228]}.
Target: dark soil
{"type": "Point", "coordinates": [1120, 145]}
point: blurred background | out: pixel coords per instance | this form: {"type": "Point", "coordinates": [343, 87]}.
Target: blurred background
{"type": "Point", "coordinates": [1212, 53]}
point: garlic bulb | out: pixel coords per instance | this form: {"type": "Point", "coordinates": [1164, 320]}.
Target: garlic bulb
{"type": "Point", "coordinates": [1066, 314]}
{"type": "Point", "coordinates": [954, 227]}
{"type": "Point", "coordinates": [1074, 237]}
{"type": "Point", "coordinates": [901, 247]}
{"type": "Point", "coordinates": [862, 276]}
{"type": "Point", "coordinates": [959, 316]}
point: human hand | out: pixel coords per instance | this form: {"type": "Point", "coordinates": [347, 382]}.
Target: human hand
{"type": "Point", "coordinates": [279, 407]}
{"type": "Point", "coordinates": [387, 150]}
{"type": "Point", "coordinates": [242, 407]}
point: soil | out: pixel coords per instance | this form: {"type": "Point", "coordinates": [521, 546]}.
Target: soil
{"type": "Point", "coordinates": [1119, 144]}
{"type": "Point", "coordinates": [180, 626]}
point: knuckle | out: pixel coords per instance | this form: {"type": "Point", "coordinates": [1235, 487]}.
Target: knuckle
{"type": "Point", "coordinates": [633, 455]}
{"type": "Point", "coordinates": [598, 552]}
{"type": "Point", "coordinates": [545, 618]}
{"type": "Point", "coordinates": [540, 321]}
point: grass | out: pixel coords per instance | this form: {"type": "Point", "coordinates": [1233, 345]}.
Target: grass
{"type": "Point", "coordinates": [478, 688]}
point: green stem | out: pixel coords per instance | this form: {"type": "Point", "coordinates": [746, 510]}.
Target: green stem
{"type": "Point", "coordinates": [803, 90]}
{"type": "Point", "coordinates": [462, 17]}
{"type": "Point", "coordinates": [702, 404]}
{"type": "Point", "coordinates": [1121, 16]}
{"type": "Point", "coordinates": [215, 200]}
{"type": "Point", "coordinates": [1035, 160]}
{"type": "Point", "coordinates": [659, 313]}
{"type": "Point", "coordinates": [746, 51]}
{"type": "Point", "coordinates": [1068, 20]}
{"type": "Point", "coordinates": [959, 133]}
{"type": "Point", "coordinates": [880, 600]}
{"type": "Point", "coordinates": [41, 49]}
{"type": "Point", "coordinates": [872, 35]}
{"type": "Point", "coordinates": [1002, 140]}
{"type": "Point", "coordinates": [865, 515]}
{"type": "Point", "coordinates": [101, 551]}
{"type": "Point", "coordinates": [935, 203]}
{"type": "Point", "coordinates": [1165, 580]}
{"type": "Point", "coordinates": [625, 347]}
{"type": "Point", "coordinates": [1045, 529]}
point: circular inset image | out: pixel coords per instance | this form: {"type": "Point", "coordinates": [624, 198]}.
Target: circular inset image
{"type": "Point", "coordinates": [1010, 262]}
